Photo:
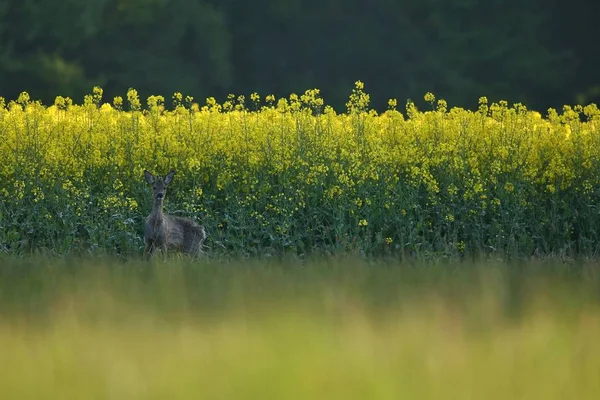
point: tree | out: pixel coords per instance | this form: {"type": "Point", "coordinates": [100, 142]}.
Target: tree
{"type": "Point", "coordinates": [516, 50]}
{"type": "Point", "coordinates": [157, 46]}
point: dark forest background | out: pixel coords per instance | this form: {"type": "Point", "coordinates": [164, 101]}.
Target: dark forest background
{"type": "Point", "coordinates": [543, 53]}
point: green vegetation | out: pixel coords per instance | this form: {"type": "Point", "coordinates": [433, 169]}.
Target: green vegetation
{"type": "Point", "coordinates": [341, 329]}
{"type": "Point", "coordinates": [532, 51]}
{"type": "Point", "coordinates": [361, 245]}
{"type": "Point", "coordinates": [273, 177]}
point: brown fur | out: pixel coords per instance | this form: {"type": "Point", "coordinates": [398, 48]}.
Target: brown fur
{"type": "Point", "coordinates": [167, 232]}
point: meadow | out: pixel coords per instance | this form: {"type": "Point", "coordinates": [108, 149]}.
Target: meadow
{"type": "Point", "coordinates": [291, 177]}
{"type": "Point", "coordinates": [338, 329]}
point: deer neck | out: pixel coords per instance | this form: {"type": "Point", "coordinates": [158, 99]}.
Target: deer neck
{"type": "Point", "coordinates": [157, 209]}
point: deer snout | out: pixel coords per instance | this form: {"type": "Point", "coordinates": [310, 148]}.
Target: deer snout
{"type": "Point", "coordinates": [160, 195]}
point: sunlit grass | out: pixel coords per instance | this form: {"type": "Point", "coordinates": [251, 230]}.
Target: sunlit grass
{"type": "Point", "coordinates": [341, 330]}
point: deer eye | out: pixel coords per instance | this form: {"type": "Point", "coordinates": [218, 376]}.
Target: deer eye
{"type": "Point", "coordinates": [154, 187]}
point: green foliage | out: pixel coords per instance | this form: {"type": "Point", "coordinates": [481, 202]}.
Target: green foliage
{"type": "Point", "coordinates": [291, 177]}
{"type": "Point", "coordinates": [66, 47]}
{"type": "Point", "coordinates": [527, 51]}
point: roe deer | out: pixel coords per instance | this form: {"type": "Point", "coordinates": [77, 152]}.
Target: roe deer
{"type": "Point", "coordinates": [167, 231]}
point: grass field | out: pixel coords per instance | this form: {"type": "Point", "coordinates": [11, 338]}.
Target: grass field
{"type": "Point", "coordinates": [343, 329]}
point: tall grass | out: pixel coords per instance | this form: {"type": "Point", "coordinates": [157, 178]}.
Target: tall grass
{"type": "Point", "coordinates": [292, 176]}
{"type": "Point", "coordinates": [346, 329]}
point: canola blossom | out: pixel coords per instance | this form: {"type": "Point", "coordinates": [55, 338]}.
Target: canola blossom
{"type": "Point", "coordinates": [293, 176]}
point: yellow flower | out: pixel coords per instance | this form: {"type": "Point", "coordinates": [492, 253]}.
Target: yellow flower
{"type": "Point", "coordinates": [133, 205]}
{"type": "Point", "coordinates": [134, 100]}
{"type": "Point", "coordinates": [177, 98]}
{"type": "Point", "coordinates": [288, 156]}
{"type": "Point", "coordinates": [118, 102]}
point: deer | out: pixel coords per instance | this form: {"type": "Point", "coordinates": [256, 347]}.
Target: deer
{"type": "Point", "coordinates": [169, 232]}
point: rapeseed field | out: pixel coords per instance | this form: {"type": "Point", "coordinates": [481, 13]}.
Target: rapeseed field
{"type": "Point", "coordinates": [293, 176]}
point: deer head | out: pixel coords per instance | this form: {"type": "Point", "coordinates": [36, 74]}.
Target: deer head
{"type": "Point", "coordinates": [159, 184]}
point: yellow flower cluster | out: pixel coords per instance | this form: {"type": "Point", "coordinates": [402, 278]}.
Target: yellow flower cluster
{"type": "Point", "coordinates": [294, 156]}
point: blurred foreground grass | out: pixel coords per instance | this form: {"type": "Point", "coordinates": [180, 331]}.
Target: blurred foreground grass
{"type": "Point", "coordinates": [335, 330]}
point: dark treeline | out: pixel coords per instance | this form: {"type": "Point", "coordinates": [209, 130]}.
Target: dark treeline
{"type": "Point", "coordinates": [537, 52]}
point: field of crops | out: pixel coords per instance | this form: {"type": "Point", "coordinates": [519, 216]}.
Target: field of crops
{"type": "Point", "coordinates": [349, 254]}
{"type": "Point", "coordinates": [101, 328]}
{"type": "Point", "coordinates": [291, 176]}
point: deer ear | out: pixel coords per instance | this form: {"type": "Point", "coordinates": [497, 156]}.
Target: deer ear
{"type": "Point", "coordinates": [169, 177]}
{"type": "Point", "coordinates": [149, 177]}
